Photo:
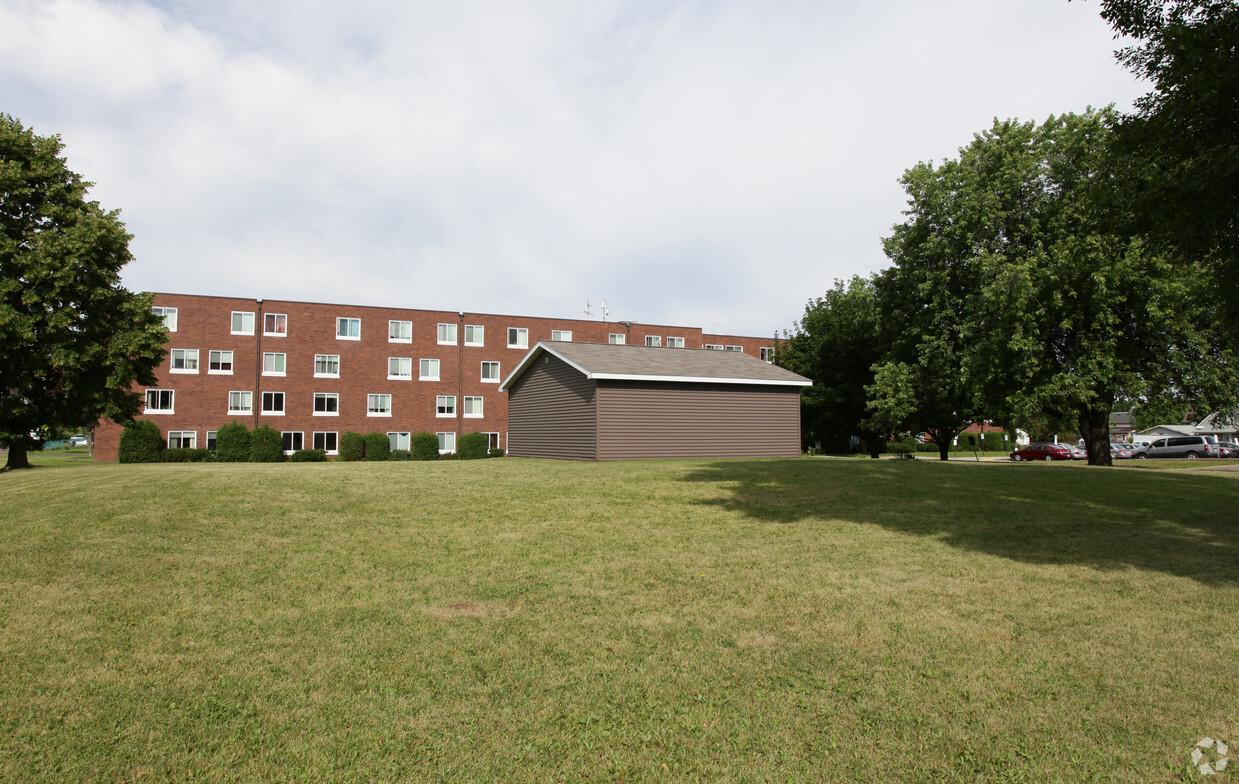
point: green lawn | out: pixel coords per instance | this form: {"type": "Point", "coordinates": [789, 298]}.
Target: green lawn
{"type": "Point", "coordinates": [516, 620]}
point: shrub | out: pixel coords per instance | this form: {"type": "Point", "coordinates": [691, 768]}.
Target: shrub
{"type": "Point", "coordinates": [400, 454]}
{"type": "Point", "coordinates": [352, 446]}
{"type": "Point", "coordinates": [266, 445]}
{"type": "Point", "coordinates": [472, 446]}
{"type": "Point", "coordinates": [140, 442]}
{"type": "Point", "coordinates": [309, 456]}
{"type": "Point", "coordinates": [425, 446]}
{"type": "Point", "coordinates": [232, 443]}
{"type": "Point", "coordinates": [495, 452]}
{"type": "Point", "coordinates": [185, 455]}
{"type": "Point", "coordinates": [378, 446]}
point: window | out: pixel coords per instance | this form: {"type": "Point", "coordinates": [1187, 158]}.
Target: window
{"type": "Point", "coordinates": [184, 360]}
{"type": "Point", "coordinates": [400, 332]}
{"type": "Point", "coordinates": [564, 335]}
{"type": "Point", "coordinates": [736, 348]}
{"type": "Point", "coordinates": [714, 346]}
{"type": "Point", "coordinates": [490, 372]}
{"type": "Point", "coordinates": [473, 406]}
{"type": "Point", "coordinates": [273, 364]}
{"type": "Point", "coordinates": [348, 329]}
{"type": "Point", "coordinates": [675, 342]}
{"type": "Point", "coordinates": [398, 440]}
{"type": "Point", "coordinates": [475, 335]}
{"type": "Point", "coordinates": [293, 440]}
{"type": "Point", "coordinates": [326, 404]}
{"type": "Point", "coordinates": [240, 402]}
{"type": "Point", "coordinates": [518, 337]}
{"type": "Point", "coordinates": [326, 365]}
{"type": "Point", "coordinates": [220, 363]}
{"type": "Point", "coordinates": [275, 324]}
{"type": "Point", "coordinates": [273, 403]}
{"type": "Point", "coordinates": [492, 440]}
{"type": "Point", "coordinates": [428, 370]}
{"type": "Point", "coordinates": [210, 440]}
{"type": "Point", "coordinates": [159, 401]}
{"type": "Point", "coordinates": [378, 405]}
{"type": "Point", "coordinates": [182, 439]}
{"type": "Point", "coordinates": [447, 334]}
{"type": "Point", "coordinates": [653, 340]}
{"type": "Point", "coordinates": [242, 323]}
{"type": "Point", "coordinates": [447, 443]}
{"type": "Point", "coordinates": [328, 441]}
{"type": "Point", "coordinates": [169, 317]}
{"type": "Point", "coordinates": [766, 353]}
{"type": "Point", "coordinates": [399, 367]}
{"type": "Point", "coordinates": [445, 405]}
{"type": "Point", "coordinates": [616, 339]}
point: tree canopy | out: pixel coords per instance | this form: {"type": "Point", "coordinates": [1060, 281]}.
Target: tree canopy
{"type": "Point", "coordinates": [72, 340]}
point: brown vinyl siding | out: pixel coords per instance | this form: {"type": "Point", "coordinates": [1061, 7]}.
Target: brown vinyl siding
{"type": "Point", "coordinates": [551, 413]}
{"type": "Point", "coordinates": [639, 420]}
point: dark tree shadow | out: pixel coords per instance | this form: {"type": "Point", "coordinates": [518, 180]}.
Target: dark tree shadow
{"type": "Point", "coordinates": [1177, 522]}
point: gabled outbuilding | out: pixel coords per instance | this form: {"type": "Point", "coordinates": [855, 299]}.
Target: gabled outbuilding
{"type": "Point", "coordinates": [597, 401]}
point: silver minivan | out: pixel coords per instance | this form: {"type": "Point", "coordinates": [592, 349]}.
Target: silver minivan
{"type": "Point", "coordinates": [1179, 446]}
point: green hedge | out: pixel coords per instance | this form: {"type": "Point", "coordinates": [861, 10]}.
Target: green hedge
{"type": "Point", "coordinates": [232, 443]}
{"type": "Point", "coordinates": [378, 447]}
{"type": "Point", "coordinates": [472, 446]}
{"type": "Point", "coordinates": [185, 455]}
{"type": "Point", "coordinates": [495, 452]}
{"type": "Point", "coordinates": [266, 445]}
{"type": "Point", "coordinates": [352, 446]}
{"type": "Point", "coordinates": [425, 446]}
{"type": "Point", "coordinates": [400, 454]}
{"type": "Point", "coordinates": [309, 456]}
{"type": "Point", "coordinates": [140, 442]}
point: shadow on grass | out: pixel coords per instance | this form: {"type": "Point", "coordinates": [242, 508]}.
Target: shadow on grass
{"type": "Point", "coordinates": [1172, 522]}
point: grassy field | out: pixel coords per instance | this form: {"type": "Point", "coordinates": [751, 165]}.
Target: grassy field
{"type": "Point", "coordinates": [514, 620]}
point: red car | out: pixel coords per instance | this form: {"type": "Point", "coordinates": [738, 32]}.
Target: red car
{"type": "Point", "coordinates": [1042, 452]}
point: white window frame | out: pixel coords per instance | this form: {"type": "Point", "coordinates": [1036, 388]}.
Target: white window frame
{"type": "Point", "coordinates": [472, 407]}
{"type": "Point", "coordinates": [245, 397]}
{"type": "Point", "coordinates": [274, 411]}
{"type": "Point", "coordinates": [378, 404]}
{"type": "Point", "coordinates": [739, 349]}
{"type": "Point", "coordinates": [277, 332]}
{"type": "Point", "coordinates": [326, 359]}
{"type": "Point", "coordinates": [344, 326]}
{"type": "Point", "coordinates": [168, 315]}
{"type": "Point", "coordinates": [216, 357]}
{"type": "Point", "coordinates": [298, 435]}
{"type": "Point", "coordinates": [314, 440]}
{"type": "Point", "coordinates": [180, 437]}
{"type": "Point", "coordinates": [494, 439]}
{"type": "Point", "coordinates": [445, 334]}
{"type": "Point", "coordinates": [475, 335]}
{"type": "Point", "coordinates": [404, 364]}
{"type": "Point", "coordinates": [714, 346]}
{"type": "Point", "coordinates": [159, 409]}
{"type": "Point", "coordinates": [244, 320]}
{"type": "Point", "coordinates": [445, 406]}
{"type": "Point", "coordinates": [766, 353]}
{"type": "Point", "coordinates": [674, 341]}
{"type": "Point", "coordinates": [211, 440]}
{"type": "Point", "coordinates": [424, 365]}
{"type": "Point", "coordinates": [325, 397]}
{"type": "Point", "coordinates": [561, 335]}
{"type": "Point", "coordinates": [399, 331]}
{"type": "Point", "coordinates": [522, 337]}
{"type": "Point", "coordinates": [277, 358]}
{"type": "Point", "coordinates": [654, 341]}
{"type": "Point", "coordinates": [401, 440]}
{"type": "Point", "coordinates": [447, 443]}
{"type": "Point", "coordinates": [617, 339]}
{"type": "Point", "coordinates": [186, 356]}
{"type": "Point", "coordinates": [488, 379]}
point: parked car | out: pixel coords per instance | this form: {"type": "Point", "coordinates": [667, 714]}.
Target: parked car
{"type": "Point", "coordinates": [1120, 451]}
{"type": "Point", "coordinates": [77, 440]}
{"type": "Point", "coordinates": [1227, 449]}
{"type": "Point", "coordinates": [1042, 452]}
{"type": "Point", "coordinates": [1180, 446]}
{"type": "Point", "coordinates": [1077, 452]}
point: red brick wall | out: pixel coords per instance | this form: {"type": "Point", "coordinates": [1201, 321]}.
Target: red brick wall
{"type": "Point", "coordinates": [204, 323]}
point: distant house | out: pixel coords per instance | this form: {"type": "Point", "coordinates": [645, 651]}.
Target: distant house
{"type": "Point", "coordinates": [596, 401]}
{"type": "Point", "coordinates": [1121, 425]}
{"type": "Point", "coordinates": [1219, 424]}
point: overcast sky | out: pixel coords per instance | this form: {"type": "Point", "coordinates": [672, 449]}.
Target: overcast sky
{"type": "Point", "coordinates": [712, 164]}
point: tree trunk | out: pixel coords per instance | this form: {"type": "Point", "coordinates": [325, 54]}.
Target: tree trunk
{"type": "Point", "coordinates": [943, 439]}
{"type": "Point", "coordinates": [1095, 427]}
{"type": "Point", "coordinates": [18, 458]}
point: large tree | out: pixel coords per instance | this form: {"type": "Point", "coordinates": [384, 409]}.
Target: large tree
{"type": "Point", "coordinates": [836, 343]}
{"type": "Point", "coordinates": [72, 340]}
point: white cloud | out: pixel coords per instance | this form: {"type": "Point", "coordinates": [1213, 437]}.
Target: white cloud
{"type": "Point", "coordinates": [707, 164]}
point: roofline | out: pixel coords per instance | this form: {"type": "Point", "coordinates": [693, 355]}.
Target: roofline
{"type": "Point", "coordinates": [544, 346]}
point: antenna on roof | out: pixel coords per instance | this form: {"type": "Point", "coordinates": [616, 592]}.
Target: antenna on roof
{"type": "Point", "coordinates": [588, 313]}
{"type": "Point", "coordinates": [605, 312]}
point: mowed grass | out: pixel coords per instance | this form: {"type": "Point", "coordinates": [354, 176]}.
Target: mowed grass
{"type": "Point", "coordinates": [513, 620]}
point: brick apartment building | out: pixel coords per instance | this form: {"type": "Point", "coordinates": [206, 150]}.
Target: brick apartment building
{"type": "Point", "coordinates": [314, 371]}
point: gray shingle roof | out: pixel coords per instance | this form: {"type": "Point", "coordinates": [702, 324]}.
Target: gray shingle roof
{"type": "Point", "coordinates": [649, 363]}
